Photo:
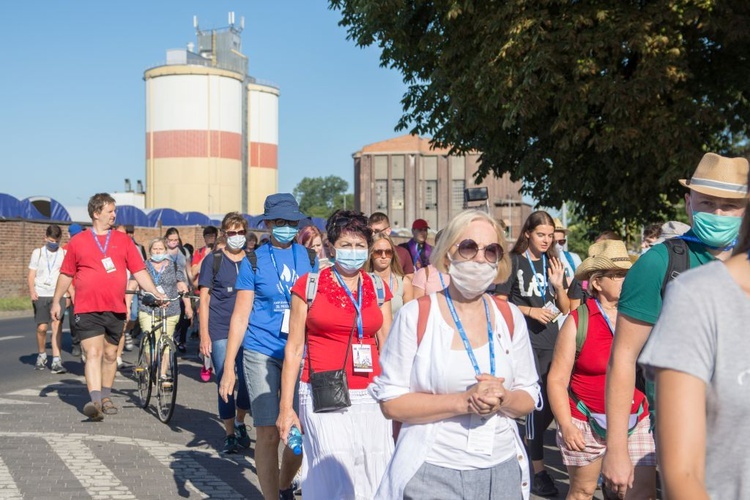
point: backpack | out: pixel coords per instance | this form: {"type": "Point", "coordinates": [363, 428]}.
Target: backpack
{"type": "Point", "coordinates": [313, 280]}
{"type": "Point", "coordinates": [253, 259]}
{"type": "Point", "coordinates": [679, 261]}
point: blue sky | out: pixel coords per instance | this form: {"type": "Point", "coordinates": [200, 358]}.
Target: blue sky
{"type": "Point", "coordinates": [72, 118]}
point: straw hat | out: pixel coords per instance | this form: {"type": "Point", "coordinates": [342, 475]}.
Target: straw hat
{"type": "Point", "coordinates": [559, 225]}
{"type": "Point", "coordinates": [607, 255]}
{"type": "Point", "coordinates": [719, 176]}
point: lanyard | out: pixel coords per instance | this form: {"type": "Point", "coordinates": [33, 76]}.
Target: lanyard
{"type": "Point", "coordinates": [50, 267]}
{"type": "Point", "coordinates": [356, 303]}
{"type": "Point", "coordinates": [465, 340]}
{"type": "Point", "coordinates": [416, 254]}
{"type": "Point", "coordinates": [693, 239]}
{"type": "Point", "coordinates": [106, 243]}
{"type": "Point", "coordinates": [390, 281]}
{"type": "Point", "coordinates": [606, 318]}
{"type": "Point", "coordinates": [543, 290]}
{"type": "Point", "coordinates": [442, 282]}
{"type": "Point", "coordinates": [284, 286]}
{"type": "Point", "coordinates": [156, 276]}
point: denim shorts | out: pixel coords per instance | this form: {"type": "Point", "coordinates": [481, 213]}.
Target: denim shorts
{"type": "Point", "coordinates": [263, 377]}
{"type": "Point", "coordinates": [218, 354]}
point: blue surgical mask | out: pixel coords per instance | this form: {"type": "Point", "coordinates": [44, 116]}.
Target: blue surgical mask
{"type": "Point", "coordinates": [351, 260]}
{"type": "Point", "coordinates": [284, 234]}
{"type": "Point", "coordinates": [52, 247]}
{"type": "Point", "coordinates": [158, 257]}
{"type": "Point", "coordinates": [716, 231]}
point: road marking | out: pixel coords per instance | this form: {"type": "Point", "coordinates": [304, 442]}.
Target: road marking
{"type": "Point", "coordinates": [4, 401]}
{"type": "Point", "coordinates": [11, 337]}
{"type": "Point", "coordinates": [8, 487]}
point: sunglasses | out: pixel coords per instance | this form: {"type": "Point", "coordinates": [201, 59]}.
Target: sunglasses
{"type": "Point", "coordinates": [562, 241]}
{"type": "Point", "coordinates": [284, 222]}
{"type": "Point", "coordinates": [383, 252]}
{"type": "Point", "coordinates": [241, 232]}
{"type": "Point", "coordinates": [468, 249]}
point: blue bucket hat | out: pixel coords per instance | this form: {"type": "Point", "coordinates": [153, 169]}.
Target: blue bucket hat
{"type": "Point", "coordinates": [282, 206]}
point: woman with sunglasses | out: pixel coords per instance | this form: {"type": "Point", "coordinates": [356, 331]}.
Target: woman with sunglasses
{"type": "Point", "coordinates": [382, 262]}
{"type": "Point", "coordinates": [217, 297]}
{"type": "Point", "coordinates": [537, 285]}
{"type": "Point", "coordinates": [260, 325]}
{"type": "Point", "coordinates": [459, 384]}
{"type": "Point", "coordinates": [576, 380]}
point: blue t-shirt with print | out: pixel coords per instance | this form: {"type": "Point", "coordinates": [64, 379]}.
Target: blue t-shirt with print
{"type": "Point", "coordinates": [271, 284]}
{"type": "Point", "coordinates": [223, 293]}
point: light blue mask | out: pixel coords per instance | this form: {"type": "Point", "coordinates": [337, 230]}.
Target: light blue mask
{"type": "Point", "coordinates": [158, 257]}
{"type": "Point", "coordinates": [351, 260]}
{"type": "Point", "coordinates": [716, 231]}
{"type": "Point", "coordinates": [284, 234]}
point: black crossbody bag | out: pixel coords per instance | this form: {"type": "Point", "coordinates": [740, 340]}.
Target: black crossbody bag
{"type": "Point", "coordinates": [330, 389]}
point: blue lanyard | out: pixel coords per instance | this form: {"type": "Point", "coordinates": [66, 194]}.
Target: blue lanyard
{"type": "Point", "coordinates": [440, 275]}
{"type": "Point", "coordinates": [284, 286]}
{"type": "Point", "coordinates": [50, 267]}
{"type": "Point", "coordinates": [693, 239]}
{"type": "Point", "coordinates": [156, 276]}
{"type": "Point", "coordinates": [465, 340]}
{"type": "Point", "coordinates": [356, 303]}
{"type": "Point", "coordinates": [606, 318]}
{"type": "Point", "coordinates": [106, 243]}
{"type": "Point", "coordinates": [543, 290]}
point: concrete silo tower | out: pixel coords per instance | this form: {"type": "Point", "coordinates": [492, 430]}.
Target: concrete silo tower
{"type": "Point", "coordinates": [201, 127]}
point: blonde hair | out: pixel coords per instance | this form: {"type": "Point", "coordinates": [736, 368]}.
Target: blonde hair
{"type": "Point", "coordinates": [451, 234]}
{"type": "Point", "coordinates": [395, 264]}
{"type": "Point", "coordinates": [153, 242]}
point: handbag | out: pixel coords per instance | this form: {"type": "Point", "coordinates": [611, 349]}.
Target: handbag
{"type": "Point", "coordinates": [330, 389]}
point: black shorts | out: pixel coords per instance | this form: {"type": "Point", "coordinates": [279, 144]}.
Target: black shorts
{"type": "Point", "coordinates": [42, 307]}
{"type": "Point", "coordinates": [109, 324]}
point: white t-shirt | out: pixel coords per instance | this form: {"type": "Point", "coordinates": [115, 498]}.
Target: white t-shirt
{"type": "Point", "coordinates": [47, 266]}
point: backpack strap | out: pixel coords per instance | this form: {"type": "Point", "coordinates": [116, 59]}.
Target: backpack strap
{"type": "Point", "coordinates": [582, 329]}
{"type": "Point", "coordinates": [679, 260]}
{"type": "Point", "coordinates": [504, 307]}
{"type": "Point", "coordinates": [312, 256]}
{"type": "Point", "coordinates": [312, 288]}
{"type": "Point", "coordinates": [379, 287]}
{"type": "Point", "coordinates": [218, 256]}
{"type": "Point", "coordinates": [252, 258]}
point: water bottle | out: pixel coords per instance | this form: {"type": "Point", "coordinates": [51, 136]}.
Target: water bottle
{"type": "Point", "coordinates": [294, 440]}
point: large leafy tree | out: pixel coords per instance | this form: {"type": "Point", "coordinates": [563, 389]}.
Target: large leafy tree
{"type": "Point", "coordinates": [604, 103]}
{"type": "Point", "coordinates": [320, 196]}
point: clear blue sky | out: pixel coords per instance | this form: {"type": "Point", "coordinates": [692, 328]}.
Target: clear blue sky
{"type": "Point", "coordinates": [72, 117]}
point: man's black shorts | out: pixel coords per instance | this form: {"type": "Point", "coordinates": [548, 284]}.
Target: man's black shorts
{"type": "Point", "coordinates": [109, 324]}
{"type": "Point", "coordinates": [42, 307]}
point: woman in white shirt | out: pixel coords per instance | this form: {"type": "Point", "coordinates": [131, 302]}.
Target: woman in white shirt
{"type": "Point", "coordinates": [458, 384]}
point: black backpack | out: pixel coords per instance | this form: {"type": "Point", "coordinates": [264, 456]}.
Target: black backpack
{"type": "Point", "coordinates": [253, 259]}
{"type": "Point", "coordinates": [679, 261]}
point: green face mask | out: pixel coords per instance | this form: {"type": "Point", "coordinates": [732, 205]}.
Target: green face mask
{"type": "Point", "coordinates": [716, 231]}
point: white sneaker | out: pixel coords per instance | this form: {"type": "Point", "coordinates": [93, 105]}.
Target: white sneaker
{"type": "Point", "coordinates": [119, 362]}
{"type": "Point", "coordinates": [83, 356]}
{"type": "Point", "coordinates": [128, 342]}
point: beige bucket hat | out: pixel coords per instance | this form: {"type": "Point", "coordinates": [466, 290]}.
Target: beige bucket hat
{"type": "Point", "coordinates": [719, 176]}
{"type": "Point", "coordinates": [607, 255]}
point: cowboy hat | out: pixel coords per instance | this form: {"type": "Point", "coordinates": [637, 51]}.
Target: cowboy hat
{"type": "Point", "coordinates": [719, 176]}
{"type": "Point", "coordinates": [607, 255]}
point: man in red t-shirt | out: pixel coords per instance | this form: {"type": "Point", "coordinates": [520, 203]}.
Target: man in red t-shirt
{"type": "Point", "coordinates": [96, 263]}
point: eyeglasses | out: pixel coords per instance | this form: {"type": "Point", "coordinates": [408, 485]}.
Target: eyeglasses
{"type": "Point", "coordinates": [284, 222]}
{"type": "Point", "coordinates": [383, 252]}
{"type": "Point", "coordinates": [616, 277]}
{"type": "Point", "coordinates": [468, 249]}
{"type": "Point", "coordinates": [241, 232]}
{"type": "Point", "coordinates": [562, 241]}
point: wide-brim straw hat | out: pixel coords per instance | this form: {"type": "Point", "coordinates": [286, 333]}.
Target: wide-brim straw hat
{"type": "Point", "coordinates": [607, 255]}
{"type": "Point", "coordinates": [719, 176]}
{"type": "Point", "coordinates": [559, 225]}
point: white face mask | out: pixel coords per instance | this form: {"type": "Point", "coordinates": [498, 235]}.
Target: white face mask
{"type": "Point", "coordinates": [472, 278]}
{"type": "Point", "coordinates": [236, 242]}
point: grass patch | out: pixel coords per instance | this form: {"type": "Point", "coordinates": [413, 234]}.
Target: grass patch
{"type": "Point", "coordinates": [15, 304]}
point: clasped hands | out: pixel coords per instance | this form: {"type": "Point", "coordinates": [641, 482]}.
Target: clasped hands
{"type": "Point", "coordinates": [487, 396]}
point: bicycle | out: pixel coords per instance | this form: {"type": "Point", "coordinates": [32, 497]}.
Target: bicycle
{"type": "Point", "coordinates": [157, 360]}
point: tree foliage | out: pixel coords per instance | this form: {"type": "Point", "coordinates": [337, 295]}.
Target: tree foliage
{"type": "Point", "coordinates": [602, 103]}
{"type": "Point", "coordinates": [321, 196]}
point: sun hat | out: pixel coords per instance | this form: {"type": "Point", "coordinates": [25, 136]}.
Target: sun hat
{"type": "Point", "coordinates": [719, 176]}
{"type": "Point", "coordinates": [74, 229]}
{"type": "Point", "coordinates": [559, 225]}
{"type": "Point", "coordinates": [670, 230]}
{"type": "Point", "coordinates": [282, 206]}
{"type": "Point", "coordinates": [420, 224]}
{"type": "Point", "coordinates": [607, 255]}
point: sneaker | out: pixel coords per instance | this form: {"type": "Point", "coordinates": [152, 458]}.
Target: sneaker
{"type": "Point", "coordinates": [543, 485]}
{"type": "Point", "coordinates": [41, 362]}
{"type": "Point", "coordinates": [128, 342]}
{"type": "Point", "coordinates": [206, 373]}
{"type": "Point", "coordinates": [165, 381]}
{"type": "Point", "coordinates": [231, 445]}
{"type": "Point", "coordinates": [76, 350]}
{"type": "Point", "coordinates": [83, 357]}
{"type": "Point", "coordinates": [119, 362]}
{"type": "Point", "coordinates": [287, 494]}
{"type": "Point", "coordinates": [240, 432]}
{"type": "Point", "coordinates": [93, 411]}
{"type": "Point", "coordinates": [181, 348]}
{"type": "Point", "coordinates": [57, 367]}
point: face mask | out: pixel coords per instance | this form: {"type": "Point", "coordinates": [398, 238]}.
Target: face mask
{"type": "Point", "coordinates": [236, 242]}
{"type": "Point", "coordinates": [284, 234]}
{"type": "Point", "coordinates": [716, 231]}
{"type": "Point", "coordinates": [351, 260]}
{"type": "Point", "coordinates": [158, 257]}
{"type": "Point", "coordinates": [472, 278]}
{"type": "Point", "coordinates": [172, 244]}
{"type": "Point", "coordinates": [52, 247]}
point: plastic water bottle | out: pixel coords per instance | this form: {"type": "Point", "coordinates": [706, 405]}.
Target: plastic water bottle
{"type": "Point", "coordinates": [294, 440]}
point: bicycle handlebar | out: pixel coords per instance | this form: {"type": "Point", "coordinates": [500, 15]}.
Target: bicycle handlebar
{"type": "Point", "coordinates": [149, 299]}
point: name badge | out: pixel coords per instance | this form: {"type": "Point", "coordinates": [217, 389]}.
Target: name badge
{"type": "Point", "coordinates": [160, 289]}
{"type": "Point", "coordinates": [285, 322]}
{"type": "Point", "coordinates": [109, 266]}
{"type": "Point", "coordinates": [362, 355]}
{"type": "Point", "coordinates": [48, 281]}
{"type": "Point", "coordinates": [481, 435]}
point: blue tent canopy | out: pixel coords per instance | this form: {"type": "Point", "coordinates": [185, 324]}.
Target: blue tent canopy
{"type": "Point", "coordinates": [254, 221]}
{"type": "Point", "coordinates": [128, 214]}
{"type": "Point", "coordinates": [10, 207]}
{"type": "Point", "coordinates": [196, 219]}
{"type": "Point", "coordinates": [320, 223]}
{"type": "Point", "coordinates": [167, 217]}
{"type": "Point", "coordinates": [44, 208]}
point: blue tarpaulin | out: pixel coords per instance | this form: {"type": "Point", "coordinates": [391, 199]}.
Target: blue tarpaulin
{"type": "Point", "coordinates": [167, 217]}
{"type": "Point", "coordinates": [10, 207]}
{"type": "Point", "coordinates": [44, 208]}
{"type": "Point", "coordinates": [128, 214]}
{"type": "Point", "coordinates": [196, 219]}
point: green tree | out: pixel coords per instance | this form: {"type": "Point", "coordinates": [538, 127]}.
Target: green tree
{"type": "Point", "coordinates": [321, 196]}
{"type": "Point", "coordinates": [602, 103]}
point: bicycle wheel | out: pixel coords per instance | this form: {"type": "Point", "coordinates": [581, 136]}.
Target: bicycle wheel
{"type": "Point", "coordinates": [166, 380]}
{"type": "Point", "coordinates": [142, 370]}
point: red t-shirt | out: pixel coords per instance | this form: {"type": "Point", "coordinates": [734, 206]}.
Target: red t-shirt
{"type": "Point", "coordinates": [198, 255]}
{"type": "Point", "coordinates": [329, 323]}
{"type": "Point", "coordinates": [96, 289]}
{"type": "Point", "coordinates": [590, 369]}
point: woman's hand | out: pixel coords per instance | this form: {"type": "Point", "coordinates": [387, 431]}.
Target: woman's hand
{"type": "Point", "coordinates": [541, 314]}
{"type": "Point", "coordinates": [189, 312]}
{"type": "Point", "coordinates": [287, 419]}
{"type": "Point", "coordinates": [486, 396]}
{"type": "Point", "coordinates": [226, 387]}
{"type": "Point", "coordinates": [556, 273]}
{"type": "Point", "coordinates": [573, 437]}
{"type": "Point", "coordinates": [205, 347]}
{"type": "Point", "coordinates": [182, 287]}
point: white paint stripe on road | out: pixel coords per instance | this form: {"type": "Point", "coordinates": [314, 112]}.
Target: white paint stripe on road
{"type": "Point", "coordinates": [91, 472]}
{"type": "Point", "coordinates": [11, 337]}
{"type": "Point", "coordinates": [4, 401]}
{"type": "Point", "coordinates": [8, 487]}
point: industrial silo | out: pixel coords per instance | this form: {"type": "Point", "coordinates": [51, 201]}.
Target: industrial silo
{"type": "Point", "coordinates": [262, 144]}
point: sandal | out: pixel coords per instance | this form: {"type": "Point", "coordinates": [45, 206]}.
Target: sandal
{"type": "Point", "coordinates": [108, 407]}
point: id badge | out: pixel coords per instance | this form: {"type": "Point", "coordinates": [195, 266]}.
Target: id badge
{"type": "Point", "coordinates": [362, 355]}
{"type": "Point", "coordinates": [481, 435]}
{"type": "Point", "coordinates": [550, 306]}
{"type": "Point", "coordinates": [285, 322]}
{"type": "Point", "coordinates": [109, 266]}
{"type": "Point", "coordinates": [160, 289]}
{"type": "Point", "coordinates": [48, 281]}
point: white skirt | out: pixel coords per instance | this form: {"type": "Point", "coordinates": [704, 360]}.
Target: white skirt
{"type": "Point", "coordinates": [346, 452]}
